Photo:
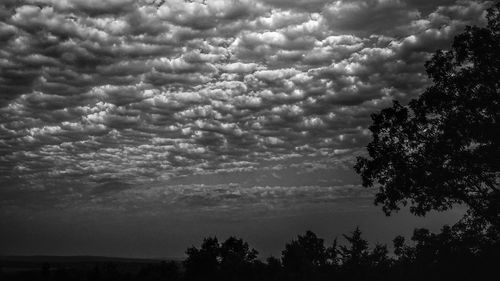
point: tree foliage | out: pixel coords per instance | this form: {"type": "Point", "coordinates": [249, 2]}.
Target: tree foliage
{"type": "Point", "coordinates": [303, 256]}
{"type": "Point", "coordinates": [307, 250]}
{"type": "Point", "coordinates": [356, 252]}
{"type": "Point", "coordinates": [444, 147]}
{"type": "Point", "coordinates": [220, 261]}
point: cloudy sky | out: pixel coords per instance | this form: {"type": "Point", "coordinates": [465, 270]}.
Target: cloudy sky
{"type": "Point", "coordinates": [136, 127]}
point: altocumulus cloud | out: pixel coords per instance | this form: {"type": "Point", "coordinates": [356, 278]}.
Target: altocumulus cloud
{"type": "Point", "coordinates": [207, 104]}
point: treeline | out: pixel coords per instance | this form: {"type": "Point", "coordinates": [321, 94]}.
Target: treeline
{"type": "Point", "coordinates": [469, 250]}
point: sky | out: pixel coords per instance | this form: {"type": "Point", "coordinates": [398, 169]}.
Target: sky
{"type": "Point", "coordinates": [138, 127]}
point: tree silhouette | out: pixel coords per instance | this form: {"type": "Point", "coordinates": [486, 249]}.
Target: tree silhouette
{"type": "Point", "coordinates": [236, 259]}
{"type": "Point", "coordinates": [356, 252]}
{"type": "Point", "coordinates": [333, 254]}
{"type": "Point", "coordinates": [303, 256]}
{"type": "Point", "coordinates": [354, 256]}
{"type": "Point", "coordinates": [273, 269]}
{"type": "Point", "coordinates": [203, 263]}
{"type": "Point", "coordinates": [380, 263]}
{"type": "Point", "coordinates": [231, 260]}
{"type": "Point", "coordinates": [460, 252]}
{"type": "Point", "coordinates": [444, 147]}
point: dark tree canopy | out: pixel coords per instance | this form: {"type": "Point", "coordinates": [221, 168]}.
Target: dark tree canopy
{"type": "Point", "coordinates": [444, 147]}
{"type": "Point", "coordinates": [356, 252]}
{"type": "Point", "coordinates": [203, 262]}
{"type": "Point", "coordinates": [308, 250]}
{"type": "Point", "coordinates": [220, 261]}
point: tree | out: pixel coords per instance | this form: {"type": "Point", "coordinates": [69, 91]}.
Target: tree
{"type": "Point", "coordinates": [444, 147]}
{"type": "Point", "coordinates": [302, 257]}
{"type": "Point", "coordinates": [459, 252]}
{"type": "Point", "coordinates": [203, 263]}
{"type": "Point", "coordinates": [359, 263]}
{"type": "Point", "coordinates": [236, 259]}
{"type": "Point", "coordinates": [308, 250]}
{"type": "Point", "coordinates": [231, 260]}
{"type": "Point", "coordinates": [333, 254]}
{"type": "Point", "coordinates": [235, 252]}
{"type": "Point", "coordinates": [355, 254]}
{"type": "Point", "coordinates": [274, 269]}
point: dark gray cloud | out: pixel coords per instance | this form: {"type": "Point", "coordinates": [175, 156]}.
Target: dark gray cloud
{"type": "Point", "coordinates": [115, 104]}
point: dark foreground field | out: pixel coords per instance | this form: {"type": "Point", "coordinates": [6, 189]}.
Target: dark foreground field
{"type": "Point", "coordinates": [34, 268]}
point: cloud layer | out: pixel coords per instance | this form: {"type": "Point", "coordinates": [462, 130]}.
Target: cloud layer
{"type": "Point", "coordinates": [106, 101]}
